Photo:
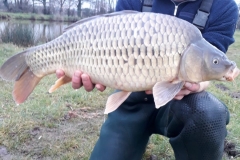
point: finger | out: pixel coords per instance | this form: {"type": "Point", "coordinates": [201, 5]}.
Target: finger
{"type": "Point", "coordinates": [76, 80]}
{"type": "Point", "coordinates": [195, 87]}
{"type": "Point", "coordinates": [59, 73]}
{"type": "Point", "coordinates": [148, 92]}
{"type": "Point", "coordinates": [178, 97]}
{"type": "Point", "coordinates": [87, 83]}
{"type": "Point", "coordinates": [183, 92]}
{"type": "Point", "coordinates": [100, 87]}
{"type": "Point", "coordinates": [192, 86]}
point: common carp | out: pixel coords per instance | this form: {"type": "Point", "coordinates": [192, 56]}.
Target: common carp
{"type": "Point", "coordinates": [128, 50]}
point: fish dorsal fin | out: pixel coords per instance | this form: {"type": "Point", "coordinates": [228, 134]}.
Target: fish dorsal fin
{"type": "Point", "coordinates": [163, 92]}
{"type": "Point", "coordinates": [99, 16]}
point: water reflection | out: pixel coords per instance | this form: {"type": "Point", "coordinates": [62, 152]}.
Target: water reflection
{"type": "Point", "coordinates": [27, 33]}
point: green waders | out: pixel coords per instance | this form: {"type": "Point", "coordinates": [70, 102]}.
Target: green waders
{"type": "Point", "coordinates": [195, 126]}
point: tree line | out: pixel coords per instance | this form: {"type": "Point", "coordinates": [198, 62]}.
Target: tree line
{"type": "Point", "coordinates": [62, 7]}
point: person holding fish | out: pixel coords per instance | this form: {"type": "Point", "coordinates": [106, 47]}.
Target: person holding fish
{"type": "Point", "coordinates": [135, 51]}
{"type": "Point", "coordinates": [194, 121]}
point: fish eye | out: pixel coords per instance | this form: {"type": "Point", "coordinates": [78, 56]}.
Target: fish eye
{"type": "Point", "coordinates": [215, 61]}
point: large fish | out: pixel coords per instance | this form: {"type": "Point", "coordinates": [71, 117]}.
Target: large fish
{"type": "Point", "coordinates": [129, 51]}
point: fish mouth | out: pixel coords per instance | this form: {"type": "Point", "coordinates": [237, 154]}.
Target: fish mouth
{"type": "Point", "coordinates": [231, 74]}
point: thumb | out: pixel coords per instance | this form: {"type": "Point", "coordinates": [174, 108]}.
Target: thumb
{"type": "Point", "coordinates": [192, 86]}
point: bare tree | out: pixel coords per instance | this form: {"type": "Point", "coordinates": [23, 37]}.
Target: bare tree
{"type": "Point", "coordinates": [51, 6]}
{"type": "Point", "coordinates": [44, 3]}
{"type": "Point", "coordinates": [33, 6]}
{"type": "Point", "coordinates": [70, 3]}
{"type": "Point", "coordinates": [101, 6]}
{"type": "Point", "coordinates": [79, 8]}
{"type": "Point", "coordinates": [111, 5]}
{"type": "Point", "coordinates": [61, 4]}
{"type": "Point", "coordinates": [19, 4]}
{"type": "Point", "coordinates": [5, 2]}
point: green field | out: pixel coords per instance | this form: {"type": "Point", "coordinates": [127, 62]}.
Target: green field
{"type": "Point", "coordinates": [65, 124]}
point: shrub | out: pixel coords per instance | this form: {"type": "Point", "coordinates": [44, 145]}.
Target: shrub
{"type": "Point", "coordinates": [18, 34]}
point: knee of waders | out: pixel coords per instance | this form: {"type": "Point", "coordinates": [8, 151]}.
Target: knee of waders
{"type": "Point", "coordinates": [201, 107]}
{"type": "Point", "coordinates": [205, 119]}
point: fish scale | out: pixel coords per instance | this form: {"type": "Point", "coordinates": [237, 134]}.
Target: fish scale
{"type": "Point", "coordinates": [116, 47]}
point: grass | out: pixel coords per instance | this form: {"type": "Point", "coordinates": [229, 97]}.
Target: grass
{"type": "Point", "coordinates": [43, 127]}
{"type": "Point", "coordinates": [232, 103]}
{"type": "Point", "coordinates": [65, 124]}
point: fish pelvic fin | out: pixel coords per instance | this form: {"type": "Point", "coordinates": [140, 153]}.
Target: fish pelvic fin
{"type": "Point", "coordinates": [24, 86]}
{"type": "Point", "coordinates": [61, 81]}
{"type": "Point", "coordinates": [163, 92]}
{"type": "Point", "coordinates": [115, 100]}
{"type": "Point", "coordinates": [14, 67]}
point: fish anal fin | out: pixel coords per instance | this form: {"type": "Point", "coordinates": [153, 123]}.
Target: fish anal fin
{"type": "Point", "coordinates": [61, 81]}
{"type": "Point", "coordinates": [115, 100]}
{"type": "Point", "coordinates": [163, 92]}
{"type": "Point", "coordinates": [24, 86]}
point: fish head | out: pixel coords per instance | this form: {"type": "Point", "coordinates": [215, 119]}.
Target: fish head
{"type": "Point", "coordinates": [218, 67]}
{"type": "Point", "coordinates": [203, 62]}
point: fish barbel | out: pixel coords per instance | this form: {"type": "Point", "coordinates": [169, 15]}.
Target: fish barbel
{"type": "Point", "coordinates": [128, 50]}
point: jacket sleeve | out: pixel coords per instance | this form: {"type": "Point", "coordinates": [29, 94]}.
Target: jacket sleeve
{"type": "Point", "coordinates": [222, 24]}
{"type": "Point", "coordinates": [128, 5]}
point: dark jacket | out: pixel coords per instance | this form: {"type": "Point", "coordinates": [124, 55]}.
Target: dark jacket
{"type": "Point", "coordinates": [220, 26]}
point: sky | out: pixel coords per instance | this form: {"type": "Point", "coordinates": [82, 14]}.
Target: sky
{"type": "Point", "coordinates": [85, 5]}
{"type": "Point", "coordinates": [237, 1]}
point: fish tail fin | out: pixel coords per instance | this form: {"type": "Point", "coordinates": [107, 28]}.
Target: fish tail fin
{"type": "Point", "coordinates": [24, 86]}
{"type": "Point", "coordinates": [16, 69]}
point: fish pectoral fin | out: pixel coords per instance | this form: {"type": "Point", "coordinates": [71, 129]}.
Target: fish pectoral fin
{"type": "Point", "coordinates": [163, 92]}
{"type": "Point", "coordinates": [61, 81]}
{"type": "Point", "coordinates": [115, 100]}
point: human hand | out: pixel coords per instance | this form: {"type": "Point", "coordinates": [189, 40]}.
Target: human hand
{"type": "Point", "coordinates": [188, 88]}
{"type": "Point", "coordinates": [80, 79]}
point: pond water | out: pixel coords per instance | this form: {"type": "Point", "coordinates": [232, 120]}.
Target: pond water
{"type": "Point", "coordinates": [28, 33]}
